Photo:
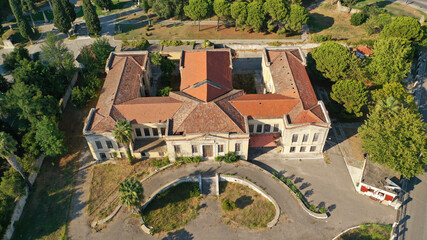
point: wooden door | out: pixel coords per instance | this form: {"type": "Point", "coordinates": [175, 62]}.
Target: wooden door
{"type": "Point", "coordinates": [207, 151]}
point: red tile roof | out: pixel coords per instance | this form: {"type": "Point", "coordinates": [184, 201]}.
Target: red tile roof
{"type": "Point", "coordinates": [206, 74]}
{"type": "Point", "coordinates": [364, 50]}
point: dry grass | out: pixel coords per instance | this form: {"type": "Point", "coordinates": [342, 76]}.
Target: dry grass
{"type": "Point", "coordinates": [356, 146]}
{"type": "Point", "coordinates": [172, 32]}
{"type": "Point", "coordinates": [252, 210]}
{"type": "Point", "coordinates": [326, 20]}
{"type": "Point", "coordinates": [105, 181]}
{"type": "Point", "coordinates": [374, 231]}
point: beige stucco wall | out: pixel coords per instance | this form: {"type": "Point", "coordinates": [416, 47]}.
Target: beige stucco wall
{"type": "Point", "coordinates": [102, 138]}
{"type": "Point", "coordinates": [266, 75]}
{"type": "Point", "coordinates": [262, 122]}
{"type": "Point", "coordinates": [150, 126]}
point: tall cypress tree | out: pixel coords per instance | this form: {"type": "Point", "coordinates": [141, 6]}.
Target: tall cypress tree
{"type": "Point", "coordinates": [25, 29]}
{"type": "Point", "coordinates": [60, 18]}
{"type": "Point", "coordinates": [91, 18]}
{"type": "Point", "coordinates": [29, 7]}
{"type": "Point", "coordinates": [16, 9]}
{"type": "Point", "coordinates": [105, 4]}
{"type": "Point", "coordinates": [69, 9]}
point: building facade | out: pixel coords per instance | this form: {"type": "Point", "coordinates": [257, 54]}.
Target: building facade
{"type": "Point", "coordinates": [208, 117]}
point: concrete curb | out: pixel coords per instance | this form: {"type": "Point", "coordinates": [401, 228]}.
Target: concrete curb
{"type": "Point", "coordinates": [308, 211]}
{"type": "Point", "coordinates": [256, 188]}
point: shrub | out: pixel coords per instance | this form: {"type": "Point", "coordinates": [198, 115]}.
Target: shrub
{"type": "Point", "coordinates": [294, 188]}
{"type": "Point", "coordinates": [160, 163]}
{"type": "Point", "coordinates": [312, 208]}
{"type": "Point", "coordinates": [358, 19]}
{"type": "Point", "coordinates": [197, 159]}
{"type": "Point", "coordinates": [81, 95]}
{"type": "Point", "coordinates": [195, 192]}
{"type": "Point", "coordinates": [164, 92]}
{"type": "Point", "coordinates": [141, 44]}
{"type": "Point", "coordinates": [156, 58]}
{"type": "Point", "coordinates": [289, 182]}
{"type": "Point", "coordinates": [283, 179]}
{"type": "Point", "coordinates": [228, 205]}
{"type": "Point", "coordinates": [299, 195]}
{"type": "Point", "coordinates": [275, 174]}
{"type": "Point", "coordinates": [280, 32]}
{"type": "Point", "coordinates": [275, 43]}
{"type": "Point", "coordinates": [219, 158]}
{"type": "Point", "coordinates": [207, 44]}
{"type": "Point", "coordinates": [322, 210]}
{"type": "Point", "coordinates": [321, 38]}
{"type": "Point", "coordinates": [231, 157]}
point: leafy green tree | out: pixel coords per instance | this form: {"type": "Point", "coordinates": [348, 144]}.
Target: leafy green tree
{"type": "Point", "coordinates": [60, 18]}
{"type": "Point", "coordinates": [91, 18]}
{"type": "Point", "coordinates": [404, 27]}
{"type": "Point", "coordinates": [145, 6]}
{"type": "Point", "coordinates": [12, 184]}
{"type": "Point", "coordinates": [41, 76]}
{"type": "Point", "coordinates": [167, 66]}
{"type": "Point", "coordinates": [7, 151]}
{"type": "Point", "coordinates": [69, 9]}
{"type": "Point", "coordinates": [164, 92]}
{"type": "Point", "coordinates": [24, 29]}
{"type": "Point", "coordinates": [58, 56]}
{"type": "Point", "coordinates": [256, 15]}
{"type": "Point", "coordinates": [11, 60]}
{"type": "Point", "coordinates": [388, 104]}
{"type": "Point", "coordinates": [123, 135]}
{"type": "Point", "coordinates": [277, 9]}
{"type": "Point", "coordinates": [29, 7]}
{"type": "Point", "coordinates": [397, 91]}
{"type": "Point", "coordinates": [391, 60]}
{"type": "Point", "coordinates": [333, 60]}
{"type": "Point", "coordinates": [222, 10]}
{"type": "Point", "coordinates": [16, 8]}
{"type": "Point", "coordinates": [131, 192]}
{"type": "Point", "coordinates": [239, 13]}
{"type": "Point", "coordinates": [396, 139]}
{"type": "Point", "coordinates": [170, 8]}
{"type": "Point", "coordinates": [101, 48]}
{"type": "Point", "coordinates": [156, 58]}
{"type": "Point", "coordinates": [197, 10]}
{"type": "Point", "coordinates": [105, 4]}
{"type": "Point", "coordinates": [349, 3]}
{"type": "Point", "coordinates": [81, 95]}
{"type": "Point", "coordinates": [297, 18]}
{"type": "Point", "coordinates": [352, 94]}
{"type": "Point", "coordinates": [49, 138]}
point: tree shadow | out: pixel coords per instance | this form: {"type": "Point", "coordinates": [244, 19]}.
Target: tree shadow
{"type": "Point", "coordinates": [244, 201]}
{"type": "Point", "coordinates": [332, 207]}
{"type": "Point", "coordinates": [179, 234]}
{"type": "Point", "coordinates": [308, 193]}
{"type": "Point", "coordinates": [304, 186]}
{"type": "Point", "coordinates": [298, 180]}
{"type": "Point", "coordinates": [318, 22]}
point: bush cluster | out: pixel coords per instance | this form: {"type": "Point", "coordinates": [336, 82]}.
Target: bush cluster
{"type": "Point", "coordinates": [295, 189]}
{"type": "Point", "coordinates": [195, 159]}
{"type": "Point", "coordinates": [175, 43]}
{"type": "Point", "coordinates": [229, 157]}
{"type": "Point", "coordinates": [160, 163]}
{"type": "Point", "coordinates": [228, 205]}
{"type": "Point", "coordinates": [207, 44]}
{"type": "Point", "coordinates": [321, 38]}
{"type": "Point", "coordinates": [89, 83]}
{"type": "Point", "coordinates": [141, 44]}
{"type": "Point", "coordinates": [195, 192]}
{"type": "Point", "coordinates": [358, 18]}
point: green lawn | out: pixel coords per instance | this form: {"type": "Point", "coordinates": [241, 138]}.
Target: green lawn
{"type": "Point", "coordinates": [371, 232]}
{"type": "Point", "coordinates": [173, 208]}
{"type": "Point", "coordinates": [393, 8]}
{"type": "Point", "coordinates": [117, 6]}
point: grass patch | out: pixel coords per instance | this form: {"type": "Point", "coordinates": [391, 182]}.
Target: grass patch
{"type": "Point", "coordinates": [105, 181]}
{"type": "Point", "coordinates": [393, 8]}
{"type": "Point", "coordinates": [252, 210]}
{"type": "Point", "coordinates": [39, 16]}
{"type": "Point", "coordinates": [117, 6]}
{"type": "Point", "coordinates": [368, 231]}
{"type": "Point", "coordinates": [245, 81]}
{"type": "Point", "coordinates": [177, 31]}
{"type": "Point", "coordinates": [173, 208]}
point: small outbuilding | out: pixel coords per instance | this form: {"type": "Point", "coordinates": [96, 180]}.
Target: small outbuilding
{"type": "Point", "coordinates": [362, 52]}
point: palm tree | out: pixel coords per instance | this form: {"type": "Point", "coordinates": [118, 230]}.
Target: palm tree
{"type": "Point", "coordinates": [389, 105]}
{"type": "Point", "coordinates": [7, 151]}
{"type": "Point", "coordinates": [131, 193]}
{"type": "Point", "coordinates": [123, 135]}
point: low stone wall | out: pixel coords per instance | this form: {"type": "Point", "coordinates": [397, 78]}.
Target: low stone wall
{"type": "Point", "coordinates": [258, 190]}
{"type": "Point", "coordinates": [20, 204]}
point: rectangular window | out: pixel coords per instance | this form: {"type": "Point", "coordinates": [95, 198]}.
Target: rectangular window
{"type": "Point", "coordinates": [305, 138]}
{"type": "Point", "coordinates": [251, 128]}
{"type": "Point", "coordinates": [103, 156]}
{"type": "Point", "coordinates": [194, 149]}
{"type": "Point", "coordinates": [312, 148]}
{"type": "Point", "coordinates": [155, 132]}
{"type": "Point", "coordinates": [98, 144]}
{"type": "Point", "coordinates": [302, 149]}
{"type": "Point", "coordinates": [138, 132]}
{"type": "Point", "coordinates": [146, 132]}
{"type": "Point", "coordinates": [276, 128]}
{"type": "Point", "coordinates": [220, 148]}
{"type": "Point", "coordinates": [237, 147]}
{"type": "Point", "coordinates": [109, 144]}
{"type": "Point", "coordinates": [292, 149]}
{"type": "Point", "coordinates": [163, 130]}
{"type": "Point", "coordinates": [295, 138]}
{"type": "Point", "coordinates": [315, 137]}
{"type": "Point", "coordinates": [177, 148]}
{"type": "Point", "coordinates": [267, 128]}
{"type": "Point", "coordinates": [259, 128]}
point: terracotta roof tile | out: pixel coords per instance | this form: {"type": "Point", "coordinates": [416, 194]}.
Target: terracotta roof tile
{"type": "Point", "coordinates": [364, 50]}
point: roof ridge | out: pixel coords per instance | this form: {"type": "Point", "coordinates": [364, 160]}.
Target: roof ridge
{"type": "Point", "coordinates": [296, 57]}
{"type": "Point", "coordinates": [120, 82]}
{"type": "Point", "coordinates": [225, 113]}
{"type": "Point", "coordinates": [189, 113]}
{"type": "Point", "coordinates": [293, 77]}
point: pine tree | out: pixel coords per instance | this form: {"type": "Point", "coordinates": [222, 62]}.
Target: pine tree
{"type": "Point", "coordinates": [25, 29]}
{"type": "Point", "coordinates": [29, 7]}
{"type": "Point", "coordinates": [69, 9]}
{"type": "Point", "coordinates": [91, 18]}
{"type": "Point", "coordinates": [105, 4]}
{"type": "Point", "coordinates": [16, 9]}
{"type": "Point", "coordinates": [60, 17]}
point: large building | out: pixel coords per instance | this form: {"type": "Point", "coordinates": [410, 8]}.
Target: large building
{"type": "Point", "coordinates": [207, 117]}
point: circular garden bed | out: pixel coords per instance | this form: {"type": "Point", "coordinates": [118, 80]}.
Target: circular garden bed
{"type": "Point", "coordinates": [173, 208]}
{"type": "Point", "coordinates": [243, 206]}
